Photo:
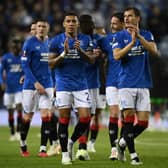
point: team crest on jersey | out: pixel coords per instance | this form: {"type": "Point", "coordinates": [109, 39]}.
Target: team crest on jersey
{"type": "Point", "coordinates": [125, 41]}
{"type": "Point", "coordinates": [37, 47]}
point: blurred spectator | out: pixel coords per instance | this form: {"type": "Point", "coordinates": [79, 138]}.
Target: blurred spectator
{"type": "Point", "coordinates": [17, 16]}
{"type": "Point", "coordinates": [156, 19]}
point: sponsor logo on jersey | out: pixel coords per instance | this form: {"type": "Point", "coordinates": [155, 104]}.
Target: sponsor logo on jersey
{"type": "Point", "coordinates": [44, 57]}
{"type": "Point", "coordinates": [72, 54]}
{"type": "Point", "coordinates": [15, 68]}
{"type": "Point", "coordinates": [137, 51]}
{"type": "Point", "coordinates": [125, 41]}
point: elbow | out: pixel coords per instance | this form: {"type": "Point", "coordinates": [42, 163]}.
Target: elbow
{"type": "Point", "coordinates": [155, 53]}
{"type": "Point", "coordinates": [116, 57]}
{"type": "Point", "coordinates": [51, 65]}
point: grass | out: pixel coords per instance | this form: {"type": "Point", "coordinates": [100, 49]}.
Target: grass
{"type": "Point", "coordinates": [151, 146]}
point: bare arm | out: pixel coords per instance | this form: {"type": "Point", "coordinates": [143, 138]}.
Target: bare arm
{"type": "Point", "coordinates": [87, 56]}
{"type": "Point", "coordinates": [54, 59]}
{"type": "Point", "coordinates": [120, 53]}
{"type": "Point", "coordinates": [40, 88]}
{"type": "Point", "coordinates": [149, 46]}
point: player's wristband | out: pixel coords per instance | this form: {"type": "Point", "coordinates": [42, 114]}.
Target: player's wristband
{"type": "Point", "coordinates": [62, 54]}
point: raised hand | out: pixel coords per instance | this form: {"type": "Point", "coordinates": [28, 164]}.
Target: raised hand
{"type": "Point", "coordinates": [77, 45]}
{"type": "Point", "coordinates": [133, 31]}
{"type": "Point", "coordinates": [66, 46]}
{"type": "Point", "coordinates": [97, 52]}
{"type": "Point", "coordinates": [40, 89]}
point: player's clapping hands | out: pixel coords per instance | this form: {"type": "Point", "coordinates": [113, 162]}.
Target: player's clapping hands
{"type": "Point", "coordinates": [77, 45]}
{"type": "Point", "coordinates": [66, 46]}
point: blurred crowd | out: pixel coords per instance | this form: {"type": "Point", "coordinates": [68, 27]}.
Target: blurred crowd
{"type": "Point", "coordinates": [16, 16]}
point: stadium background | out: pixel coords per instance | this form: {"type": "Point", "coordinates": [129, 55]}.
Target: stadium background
{"type": "Point", "coordinates": [16, 17]}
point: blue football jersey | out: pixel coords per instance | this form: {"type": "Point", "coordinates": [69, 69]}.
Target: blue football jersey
{"type": "Point", "coordinates": [70, 75]}
{"type": "Point", "coordinates": [1, 80]}
{"type": "Point", "coordinates": [11, 64]}
{"type": "Point", "coordinates": [35, 63]}
{"type": "Point", "coordinates": [113, 65]}
{"type": "Point", "coordinates": [135, 66]}
{"type": "Point", "coordinates": [92, 70]}
{"type": "Point", "coordinates": [53, 76]}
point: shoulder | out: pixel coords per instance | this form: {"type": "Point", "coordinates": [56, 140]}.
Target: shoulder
{"type": "Point", "coordinates": [29, 41]}
{"type": "Point", "coordinates": [97, 36]}
{"type": "Point", "coordinates": [6, 55]}
{"type": "Point", "coordinates": [147, 34]}
{"type": "Point", "coordinates": [57, 37]}
{"type": "Point", "coordinates": [121, 33]}
{"type": "Point", "coordinates": [109, 36]}
{"type": "Point", "coordinates": [83, 36]}
{"type": "Point", "coordinates": [144, 31]}
{"type": "Point", "coordinates": [84, 39]}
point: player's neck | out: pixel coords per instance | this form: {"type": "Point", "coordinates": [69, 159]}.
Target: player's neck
{"type": "Point", "coordinates": [40, 38]}
{"type": "Point", "coordinates": [71, 35]}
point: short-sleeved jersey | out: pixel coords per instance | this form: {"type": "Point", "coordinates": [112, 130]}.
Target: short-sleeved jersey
{"type": "Point", "coordinates": [113, 65]}
{"type": "Point", "coordinates": [35, 63]}
{"type": "Point", "coordinates": [53, 76]}
{"type": "Point", "coordinates": [11, 64]}
{"type": "Point", "coordinates": [1, 80]}
{"type": "Point", "coordinates": [70, 75]}
{"type": "Point", "coordinates": [92, 70]}
{"type": "Point", "coordinates": [135, 67]}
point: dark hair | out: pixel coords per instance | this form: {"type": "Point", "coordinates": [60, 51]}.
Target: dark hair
{"type": "Point", "coordinates": [16, 39]}
{"type": "Point", "coordinates": [14, 42]}
{"type": "Point", "coordinates": [40, 20]}
{"type": "Point", "coordinates": [85, 18]}
{"type": "Point", "coordinates": [119, 15]}
{"type": "Point", "coordinates": [33, 22]}
{"type": "Point", "coordinates": [70, 13]}
{"type": "Point", "coordinates": [136, 11]}
{"type": "Point", "coordinates": [86, 24]}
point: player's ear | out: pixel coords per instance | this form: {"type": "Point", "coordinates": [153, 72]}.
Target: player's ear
{"type": "Point", "coordinates": [63, 24]}
{"type": "Point", "coordinates": [139, 19]}
{"type": "Point", "coordinates": [78, 24]}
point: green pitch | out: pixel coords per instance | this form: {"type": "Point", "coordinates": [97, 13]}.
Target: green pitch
{"type": "Point", "coordinates": [151, 146]}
